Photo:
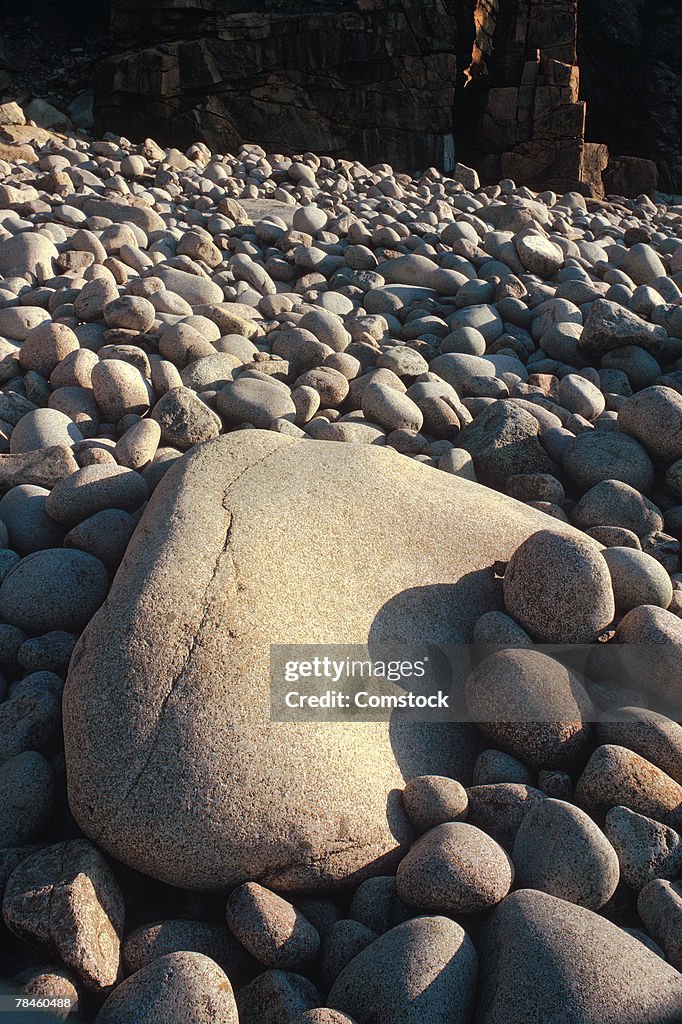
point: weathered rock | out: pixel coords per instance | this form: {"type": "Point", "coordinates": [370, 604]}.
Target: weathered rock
{"type": "Point", "coordinates": [454, 868]}
{"type": "Point", "coordinates": [424, 969]}
{"type": "Point", "coordinates": [430, 800]}
{"type": "Point", "coordinates": [270, 928]}
{"type": "Point", "coordinates": [151, 941]}
{"type": "Point", "coordinates": [43, 468]}
{"type": "Point", "coordinates": [503, 441]}
{"type": "Point", "coordinates": [609, 325]}
{"type": "Point", "coordinates": [546, 959]}
{"type": "Point", "coordinates": [646, 849]}
{"type": "Point", "coordinates": [530, 705]}
{"type": "Point", "coordinates": [559, 589]}
{"type": "Point", "coordinates": [60, 898]}
{"type": "Point", "coordinates": [184, 419]}
{"type": "Point", "coordinates": [559, 849]}
{"type": "Point", "coordinates": [651, 652]}
{"type": "Point", "coordinates": [176, 988]}
{"type": "Point", "coordinates": [195, 549]}
{"type": "Point", "coordinates": [53, 589]}
{"type": "Point", "coordinates": [615, 776]}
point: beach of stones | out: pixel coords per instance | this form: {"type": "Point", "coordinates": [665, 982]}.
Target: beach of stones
{"type": "Point", "coordinates": [152, 300]}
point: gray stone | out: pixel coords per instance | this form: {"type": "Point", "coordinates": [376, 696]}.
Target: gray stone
{"type": "Point", "coordinates": [259, 402]}
{"type": "Point", "coordinates": [637, 579]}
{"type": "Point", "coordinates": [454, 868]}
{"type": "Point", "coordinates": [559, 849]}
{"type": "Point", "coordinates": [376, 904]}
{"type": "Point", "coordinates": [493, 766]}
{"type": "Point", "coordinates": [597, 455]}
{"type": "Point", "coordinates": [149, 942]}
{"type": "Point", "coordinates": [199, 549]}
{"type": "Point", "coordinates": [105, 534]}
{"type": "Point", "coordinates": [559, 589]}
{"type": "Point", "coordinates": [50, 652]}
{"type": "Point", "coordinates": [43, 428]}
{"type": "Point", "coordinates": [660, 908]}
{"type": "Point", "coordinates": [60, 898]}
{"type": "Point", "coordinates": [503, 441]}
{"type": "Point", "coordinates": [271, 928]}
{"type": "Point", "coordinates": [654, 417]}
{"type": "Point", "coordinates": [276, 996]}
{"type": "Point", "coordinates": [53, 589]}
{"type": "Point", "coordinates": [430, 800]}
{"type": "Point", "coordinates": [615, 776]}
{"type": "Point", "coordinates": [28, 721]}
{"type": "Point", "coordinates": [544, 959]}
{"type": "Point", "coordinates": [132, 312]}
{"type": "Point", "coordinates": [42, 468]}
{"type": "Point", "coordinates": [184, 419]}
{"type": "Point", "coordinates": [609, 325]}
{"type": "Point", "coordinates": [93, 489]}
{"type": "Point", "coordinates": [26, 795]}
{"type": "Point", "coordinates": [652, 650]}
{"type": "Point", "coordinates": [341, 943]}
{"type": "Point", "coordinates": [22, 510]}
{"type": "Point", "coordinates": [211, 371]}
{"type": "Point", "coordinates": [646, 849]}
{"type": "Point", "coordinates": [530, 705]}
{"type": "Point", "coordinates": [175, 989]}
{"type": "Point", "coordinates": [421, 970]}
{"type": "Point", "coordinates": [614, 503]}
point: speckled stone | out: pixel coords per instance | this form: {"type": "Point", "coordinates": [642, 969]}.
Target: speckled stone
{"type": "Point", "coordinates": [654, 417]}
{"type": "Point", "coordinates": [433, 799]}
{"type": "Point", "coordinates": [454, 868]}
{"type": "Point", "coordinates": [493, 766]}
{"type": "Point", "coordinates": [637, 579]}
{"type": "Point", "coordinates": [199, 549]}
{"type": "Point", "coordinates": [559, 849]}
{"type": "Point", "coordinates": [271, 928]}
{"type": "Point", "coordinates": [646, 848]}
{"type": "Point", "coordinates": [341, 943]}
{"type": "Point", "coordinates": [660, 908]}
{"type": "Point", "coordinates": [421, 970]}
{"type": "Point", "coordinates": [276, 996]}
{"type": "Point", "coordinates": [651, 652]}
{"type": "Point", "coordinates": [60, 897]}
{"type": "Point", "coordinates": [544, 959]}
{"type": "Point", "coordinates": [53, 589]}
{"type": "Point", "coordinates": [616, 776]}
{"type": "Point", "coordinates": [600, 455]}
{"type": "Point", "coordinates": [26, 795]}
{"type": "Point", "coordinates": [653, 736]}
{"type": "Point", "coordinates": [613, 503]}
{"type": "Point", "coordinates": [148, 942]}
{"type": "Point", "coordinates": [376, 904]}
{"type": "Point", "coordinates": [559, 589]}
{"type": "Point", "coordinates": [93, 489]}
{"type": "Point", "coordinates": [175, 989]}
{"type": "Point", "coordinates": [531, 706]}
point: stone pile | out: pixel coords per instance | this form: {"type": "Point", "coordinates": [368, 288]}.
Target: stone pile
{"type": "Point", "coordinates": [492, 379]}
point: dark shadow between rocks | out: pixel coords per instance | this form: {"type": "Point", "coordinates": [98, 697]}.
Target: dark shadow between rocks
{"type": "Point", "coordinates": [436, 622]}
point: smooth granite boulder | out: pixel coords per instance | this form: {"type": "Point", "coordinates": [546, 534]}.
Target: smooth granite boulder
{"type": "Point", "coordinates": [547, 960]}
{"type": "Point", "coordinates": [174, 765]}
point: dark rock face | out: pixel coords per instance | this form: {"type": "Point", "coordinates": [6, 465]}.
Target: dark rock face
{"type": "Point", "coordinates": [373, 78]}
{"type": "Point", "coordinates": [515, 87]}
{"type": "Point", "coordinates": [631, 63]}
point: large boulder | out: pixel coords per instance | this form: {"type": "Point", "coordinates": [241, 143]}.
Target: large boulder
{"type": "Point", "coordinates": [253, 539]}
{"type": "Point", "coordinates": [548, 960]}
